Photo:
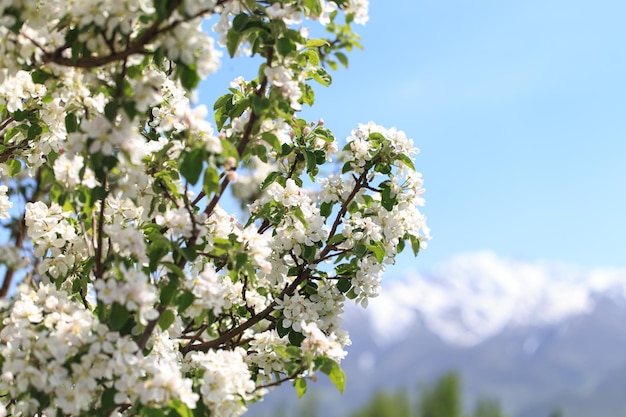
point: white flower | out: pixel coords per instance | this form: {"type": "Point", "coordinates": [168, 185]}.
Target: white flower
{"type": "Point", "coordinates": [226, 381]}
{"type": "Point", "coordinates": [5, 204]}
{"type": "Point", "coordinates": [258, 246]}
{"type": "Point", "coordinates": [209, 290]}
{"type": "Point", "coordinates": [360, 9]}
{"type": "Point", "coordinates": [67, 170]}
{"type": "Point", "coordinates": [296, 309]}
{"type": "Point", "coordinates": [177, 221]}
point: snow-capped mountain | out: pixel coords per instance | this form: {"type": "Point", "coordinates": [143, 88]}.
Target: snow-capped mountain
{"type": "Point", "coordinates": [475, 296]}
{"type": "Point", "coordinates": [536, 335]}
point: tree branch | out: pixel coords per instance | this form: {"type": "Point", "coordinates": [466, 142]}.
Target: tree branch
{"type": "Point", "coordinates": [245, 139]}
{"type": "Point", "coordinates": [135, 47]}
{"type": "Point", "coordinates": [99, 268]}
{"type": "Point", "coordinates": [235, 331]}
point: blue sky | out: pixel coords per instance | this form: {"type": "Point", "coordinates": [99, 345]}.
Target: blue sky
{"type": "Point", "coordinates": [519, 111]}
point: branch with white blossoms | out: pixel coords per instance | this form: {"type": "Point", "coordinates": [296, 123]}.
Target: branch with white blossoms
{"type": "Point", "coordinates": [128, 288]}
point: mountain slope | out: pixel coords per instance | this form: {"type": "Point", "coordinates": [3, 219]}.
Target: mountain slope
{"type": "Point", "coordinates": [537, 336]}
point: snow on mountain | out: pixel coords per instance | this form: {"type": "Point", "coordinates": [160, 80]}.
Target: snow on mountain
{"type": "Point", "coordinates": [474, 296]}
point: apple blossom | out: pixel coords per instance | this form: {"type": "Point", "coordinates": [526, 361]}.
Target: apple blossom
{"type": "Point", "coordinates": [131, 287]}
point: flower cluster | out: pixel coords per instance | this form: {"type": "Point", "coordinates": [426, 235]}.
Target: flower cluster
{"type": "Point", "coordinates": [55, 346]}
{"type": "Point", "coordinates": [140, 290]}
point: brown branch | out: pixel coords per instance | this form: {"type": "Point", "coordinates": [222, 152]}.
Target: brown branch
{"type": "Point", "coordinates": [235, 331]}
{"type": "Point", "coordinates": [360, 183]}
{"type": "Point", "coordinates": [216, 198]}
{"type": "Point", "coordinates": [6, 122]}
{"type": "Point", "coordinates": [245, 139]}
{"type": "Point", "coordinates": [199, 197]}
{"type": "Point", "coordinates": [99, 267]}
{"type": "Point", "coordinates": [147, 332]}
{"type": "Point", "coordinates": [145, 336]}
{"type": "Point", "coordinates": [283, 380]}
{"type": "Point", "coordinates": [136, 47]}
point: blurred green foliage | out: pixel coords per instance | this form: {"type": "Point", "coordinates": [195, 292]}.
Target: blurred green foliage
{"type": "Point", "coordinates": [440, 399]}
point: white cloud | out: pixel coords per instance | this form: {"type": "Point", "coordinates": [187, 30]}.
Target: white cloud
{"type": "Point", "coordinates": [474, 296]}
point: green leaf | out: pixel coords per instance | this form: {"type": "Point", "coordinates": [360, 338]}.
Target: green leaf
{"type": "Point", "coordinates": [401, 245]}
{"type": "Point", "coordinates": [415, 244]}
{"type": "Point", "coordinates": [166, 319]}
{"type": "Point", "coordinates": [181, 408]}
{"type": "Point", "coordinates": [308, 95]}
{"type": "Point", "coordinates": [259, 104]}
{"type": "Point", "coordinates": [161, 7]}
{"type": "Point", "coordinates": [377, 138]}
{"type": "Point", "coordinates": [297, 211]}
{"type": "Point", "coordinates": [285, 46]}
{"type": "Point", "coordinates": [110, 110]}
{"type": "Point", "coordinates": [322, 77]}
{"type": "Point", "coordinates": [240, 22]}
{"type": "Point", "coordinates": [119, 316]}
{"type": "Point", "coordinates": [71, 123]}
{"type": "Point", "coordinates": [280, 329]}
{"type": "Point", "coordinates": [312, 56]}
{"type": "Point", "coordinates": [240, 260]}
{"type": "Point", "coordinates": [177, 270]}
{"type": "Point", "coordinates": [211, 181]}
{"type": "Point", "coordinates": [337, 238]}
{"type": "Point", "coordinates": [296, 338]}
{"type": "Point", "coordinates": [130, 109]}
{"type": "Point", "coordinates": [167, 293]}
{"type": "Point", "coordinates": [387, 201]}
{"type": "Point", "coordinates": [157, 250]}
{"type": "Point", "coordinates": [152, 412]}
{"type": "Point", "coordinates": [314, 43]}
{"type": "Point", "coordinates": [223, 101]}
{"type": "Point", "coordinates": [300, 384]}
{"type": "Point", "coordinates": [345, 269]}
{"type": "Point", "coordinates": [342, 58]}
{"type": "Point", "coordinates": [189, 253]}
{"type": "Point", "coordinates": [184, 300]}
{"type": "Point", "coordinates": [15, 167]}
{"type": "Point", "coordinates": [311, 288]}
{"type": "Point", "coordinates": [232, 42]}
{"type": "Point", "coordinates": [188, 76]}
{"type": "Point", "coordinates": [314, 6]}
{"type": "Point", "coordinates": [108, 399]}
{"type": "Point", "coordinates": [378, 250]}
{"type": "Point", "coordinates": [271, 139]}
{"type": "Point", "coordinates": [311, 161]}
{"type": "Point", "coordinates": [360, 250]}
{"type": "Point", "coordinates": [325, 210]}
{"type": "Point", "coordinates": [285, 150]}
{"type": "Point", "coordinates": [19, 115]}
{"type": "Point", "coordinates": [33, 131]}
{"type": "Point", "coordinates": [338, 378]}
{"type": "Point", "coordinates": [344, 285]}
{"type": "Point", "coordinates": [308, 253]}
{"type": "Point", "coordinates": [191, 164]}
{"type": "Point", "coordinates": [332, 369]}
{"type": "Point", "coordinates": [406, 160]}
{"type": "Point", "coordinates": [40, 76]}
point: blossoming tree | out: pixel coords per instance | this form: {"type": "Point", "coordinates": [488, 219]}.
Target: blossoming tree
{"type": "Point", "coordinates": [127, 288]}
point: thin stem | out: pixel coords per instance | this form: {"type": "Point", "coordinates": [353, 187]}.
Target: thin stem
{"type": "Point", "coordinates": [283, 380]}
{"type": "Point", "coordinates": [360, 183]}
{"type": "Point", "coordinates": [245, 139]}
{"type": "Point", "coordinates": [136, 47]}
{"type": "Point", "coordinates": [232, 333]}
{"type": "Point", "coordinates": [99, 272]}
